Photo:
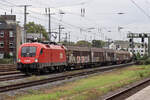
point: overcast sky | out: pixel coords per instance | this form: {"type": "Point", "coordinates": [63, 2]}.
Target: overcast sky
{"type": "Point", "coordinates": [100, 15]}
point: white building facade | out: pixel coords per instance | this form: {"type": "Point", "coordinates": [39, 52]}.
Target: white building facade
{"type": "Point", "coordinates": [124, 45]}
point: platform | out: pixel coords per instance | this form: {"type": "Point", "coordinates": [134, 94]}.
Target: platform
{"type": "Point", "coordinates": [144, 94]}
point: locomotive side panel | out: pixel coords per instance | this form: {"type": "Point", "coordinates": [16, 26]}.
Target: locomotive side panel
{"type": "Point", "coordinates": [58, 57]}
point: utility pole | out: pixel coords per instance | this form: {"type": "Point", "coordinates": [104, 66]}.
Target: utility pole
{"type": "Point", "coordinates": [66, 36]}
{"type": "Point", "coordinates": [60, 32]}
{"type": "Point", "coordinates": [108, 40]}
{"type": "Point", "coordinates": [48, 12]}
{"type": "Point", "coordinates": [25, 21]}
{"type": "Point", "coordinates": [49, 27]}
{"type": "Point", "coordinates": [59, 29]}
{"type": "Point", "coordinates": [132, 44]}
{"type": "Point", "coordinates": [69, 38]}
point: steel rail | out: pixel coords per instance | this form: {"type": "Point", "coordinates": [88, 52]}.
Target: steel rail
{"type": "Point", "coordinates": [59, 78]}
{"type": "Point", "coordinates": [12, 77]}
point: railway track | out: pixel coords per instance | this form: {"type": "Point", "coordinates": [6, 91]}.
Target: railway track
{"type": "Point", "coordinates": [9, 73]}
{"type": "Point", "coordinates": [7, 68]}
{"type": "Point", "coordinates": [12, 77]}
{"type": "Point", "coordinates": [129, 90]}
{"type": "Point", "coordinates": [59, 78]}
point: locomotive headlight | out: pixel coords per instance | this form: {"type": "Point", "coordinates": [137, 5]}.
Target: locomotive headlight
{"type": "Point", "coordinates": [19, 60]}
{"type": "Point", "coordinates": [36, 60]}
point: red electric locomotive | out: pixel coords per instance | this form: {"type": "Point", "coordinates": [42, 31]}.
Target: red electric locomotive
{"type": "Point", "coordinates": [36, 57]}
{"type": "Point", "coordinates": [39, 57]}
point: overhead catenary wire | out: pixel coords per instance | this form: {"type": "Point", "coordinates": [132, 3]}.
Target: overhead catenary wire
{"type": "Point", "coordinates": [140, 8]}
{"type": "Point", "coordinates": [66, 24]}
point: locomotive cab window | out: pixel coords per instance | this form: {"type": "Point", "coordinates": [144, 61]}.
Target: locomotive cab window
{"type": "Point", "coordinates": [28, 51]}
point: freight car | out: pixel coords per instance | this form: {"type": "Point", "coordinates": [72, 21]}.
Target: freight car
{"type": "Point", "coordinates": [39, 57]}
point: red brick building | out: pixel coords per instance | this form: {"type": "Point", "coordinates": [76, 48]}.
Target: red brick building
{"type": "Point", "coordinates": [9, 34]}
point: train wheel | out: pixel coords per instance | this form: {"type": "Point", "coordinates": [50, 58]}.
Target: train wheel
{"type": "Point", "coordinates": [61, 68]}
{"type": "Point", "coordinates": [37, 72]}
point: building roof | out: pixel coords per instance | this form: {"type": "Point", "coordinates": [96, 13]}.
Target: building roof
{"type": "Point", "coordinates": [4, 22]}
{"type": "Point", "coordinates": [125, 44]}
{"type": "Point", "coordinates": [9, 17]}
{"type": "Point", "coordinates": [122, 44]}
{"type": "Point", "coordinates": [34, 35]}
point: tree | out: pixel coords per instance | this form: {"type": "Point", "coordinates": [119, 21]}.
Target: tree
{"type": "Point", "coordinates": [138, 56]}
{"type": "Point", "coordinates": [67, 43]}
{"type": "Point", "coordinates": [36, 28]}
{"type": "Point", "coordinates": [83, 43]}
{"type": "Point", "coordinates": [98, 43]}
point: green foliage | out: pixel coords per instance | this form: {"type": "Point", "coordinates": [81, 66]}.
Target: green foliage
{"type": "Point", "coordinates": [6, 61]}
{"type": "Point", "coordinates": [67, 43]}
{"type": "Point", "coordinates": [144, 57]}
{"type": "Point", "coordinates": [92, 87]}
{"type": "Point", "coordinates": [7, 56]}
{"type": "Point", "coordinates": [138, 56]}
{"type": "Point", "coordinates": [83, 43]}
{"type": "Point", "coordinates": [98, 43]}
{"type": "Point", "coordinates": [36, 28]}
{"type": "Point", "coordinates": [147, 61]}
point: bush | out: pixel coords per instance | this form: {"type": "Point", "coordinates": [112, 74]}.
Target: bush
{"type": "Point", "coordinates": [140, 62]}
{"type": "Point", "coordinates": [6, 61]}
{"type": "Point", "coordinates": [144, 57]}
{"type": "Point", "coordinates": [143, 61]}
{"type": "Point", "coordinates": [7, 56]}
{"type": "Point", "coordinates": [147, 61]}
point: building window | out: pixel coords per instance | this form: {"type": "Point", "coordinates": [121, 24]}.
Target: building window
{"type": "Point", "coordinates": [11, 53]}
{"type": "Point", "coordinates": [11, 45]}
{"type": "Point", "coordinates": [1, 34]}
{"type": "Point", "coordinates": [141, 50]}
{"type": "Point", "coordinates": [1, 44]}
{"type": "Point", "coordinates": [1, 55]}
{"type": "Point", "coordinates": [10, 33]}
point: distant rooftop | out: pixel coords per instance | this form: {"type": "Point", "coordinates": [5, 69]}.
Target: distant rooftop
{"type": "Point", "coordinates": [9, 17]}
{"type": "Point", "coordinates": [34, 35]}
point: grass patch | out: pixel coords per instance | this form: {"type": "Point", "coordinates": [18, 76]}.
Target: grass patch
{"type": "Point", "coordinates": [92, 87]}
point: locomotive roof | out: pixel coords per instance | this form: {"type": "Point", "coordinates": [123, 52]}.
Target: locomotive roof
{"type": "Point", "coordinates": [46, 46]}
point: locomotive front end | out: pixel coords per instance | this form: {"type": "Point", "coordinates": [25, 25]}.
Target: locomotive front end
{"type": "Point", "coordinates": [28, 58]}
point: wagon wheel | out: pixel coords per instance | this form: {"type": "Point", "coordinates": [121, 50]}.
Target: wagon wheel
{"type": "Point", "coordinates": [68, 68]}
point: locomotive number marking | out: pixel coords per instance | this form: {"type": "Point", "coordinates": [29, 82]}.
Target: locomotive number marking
{"type": "Point", "coordinates": [61, 56]}
{"type": "Point", "coordinates": [27, 61]}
